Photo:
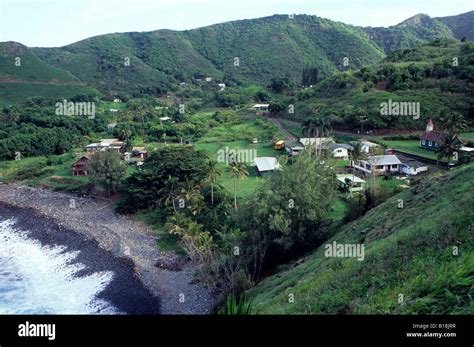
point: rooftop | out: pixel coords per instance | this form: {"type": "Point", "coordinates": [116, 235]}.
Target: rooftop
{"type": "Point", "coordinates": [266, 164]}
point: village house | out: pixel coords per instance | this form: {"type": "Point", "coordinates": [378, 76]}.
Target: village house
{"type": "Point", "coordinates": [293, 148]}
{"type": "Point", "coordinates": [378, 165]}
{"type": "Point", "coordinates": [221, 86]}
{"type": "Point", "coordinates": [104, 144]}
{"type": "Point", "coordinates": [266, 164]}
{"type": "Point", "coordinates": [338, 151]}
{"type": "Point", "coordinates": [79, 168]}
{"type": "Point", "coordinates": [261, 108]}
{"type": "Point", "coordinates": [139, 152]}
{"type": "Point", "coordinates": [367, 146]}
{"type": "Point", "coordinates": [350, 183]}
{"type": "Point", "coordinates": [315, 141]}
{"type": "Point", "coordinates": [431, 139]}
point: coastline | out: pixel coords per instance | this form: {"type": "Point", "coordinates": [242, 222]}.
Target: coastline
{"type": "Point", "coordinates": [107, 242]}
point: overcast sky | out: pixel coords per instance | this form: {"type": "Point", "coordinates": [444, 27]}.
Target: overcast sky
{"type": "Point", "coordinates": [50, 23]}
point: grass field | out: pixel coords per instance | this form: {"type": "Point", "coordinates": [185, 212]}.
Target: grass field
{"type": "Point", "coordinates": [407, 251]}
{"type": "Point", "coordinates": [410, 147]}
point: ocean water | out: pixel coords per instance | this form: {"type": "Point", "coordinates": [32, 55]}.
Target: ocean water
{"type": "Point", "coordinates": [36, 279]}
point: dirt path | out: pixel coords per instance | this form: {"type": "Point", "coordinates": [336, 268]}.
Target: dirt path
{"type": "Point", "coordinates": [123, 237]}
{"type": "Point", "coordinates": [278, 123]}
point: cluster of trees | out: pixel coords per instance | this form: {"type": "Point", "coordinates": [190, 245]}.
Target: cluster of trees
{"type": "Point", "coordinates": [35, 130]}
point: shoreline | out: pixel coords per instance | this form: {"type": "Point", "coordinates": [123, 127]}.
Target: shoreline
{"type": "Point", "coordinates": [125, 291]}
{"type": "Point", "coordinates": [107, 241]}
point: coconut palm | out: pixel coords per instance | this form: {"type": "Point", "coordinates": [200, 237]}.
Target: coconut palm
{"type": "Point", "coordinates": [212, 173]}
{"type": "Point", "coordinates": [170, 192]}
{"type": "Point", "coordinates": [448, 146]}
{"type": "Point", "coordinates": [454, 123]}
{"type": "Point", "coordinates": [237, 171]}
{"type": "Point", "coordinates": [191, 193]}
{"type": "Point", "coordinates": [356, 154]}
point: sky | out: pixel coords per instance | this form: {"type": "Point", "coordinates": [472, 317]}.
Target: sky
{"type": "Point", "coordinates": [53, 23]}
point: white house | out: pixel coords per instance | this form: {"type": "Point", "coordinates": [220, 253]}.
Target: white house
{"type": "Point", "coordinates": [313, 141]}
{"type": "Point", "coordinates": [367, 146]}
{"type": "Point", "coordinates": [379, 165]}
{"type": "Point", "coordinates": [117, 100]}
{"type": "Point", "coordinates": [208, 79]}
{"type": "Point", "coordinates": [261, 107]}
{"type": "Point", "coordinates": [266, 164]}
{"type": "Point", "coordinates": [356, 184]}
{"type": "Point", "coordinates": [221, 86]}
{"type": "Point", "coordinates": [164, 119]}
{"type": "Point", "coordinates": [338, 150]}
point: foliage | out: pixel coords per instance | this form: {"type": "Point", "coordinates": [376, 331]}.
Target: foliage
{"type": "Point", "coordinates": [106, 170]}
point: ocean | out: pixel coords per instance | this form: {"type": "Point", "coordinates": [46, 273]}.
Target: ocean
{"type": "Point", "coordinates": [39, 279]}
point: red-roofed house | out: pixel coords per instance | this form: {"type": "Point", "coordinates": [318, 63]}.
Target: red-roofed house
{"type": "Point", "coordinates": [431, 139]}
{"type": "Point", "coordinates": [80, 167]}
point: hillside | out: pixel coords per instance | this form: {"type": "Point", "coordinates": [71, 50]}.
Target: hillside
{"type": "Point", "coordinates": [424, 74]}
{"type": "Point", "coordinates": [411, 32]}
{"type": "Point", "coordinates": [461, 25]}
{"type": "Point", "coordinates": [401, 257]}
{"type": "Point", "coordinates": [137, 63]}
{"type": "Point", "coordinates": [33, 77]}
{"type": "Point", "coordinates": [269, 47]}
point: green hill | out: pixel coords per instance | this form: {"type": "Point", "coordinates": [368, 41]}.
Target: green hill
{"type": "Point", "coordinates": [411, 32]}
{"type": "Point", "coordinates": [23, 75]}
{"type": "Point", "coordinates": [461, 25]}
{"type": "Point", "coordinates": [423, 74]}
{"type": "Point", "coordinates": [408, 251]}
{"type": "Point", "coordinates": [138, 63]}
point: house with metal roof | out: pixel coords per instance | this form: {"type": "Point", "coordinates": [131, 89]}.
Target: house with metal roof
{"type": "Point", "coordinates": [338, 150]}
{"type": "Point", "coordinates": [431, 139]}
{"type": "Point", "coordinates": [379, 165]}
{"type": "Point", "coordinates": [350, 183]}
{"type": "Point", "coordinates": [266, 164]}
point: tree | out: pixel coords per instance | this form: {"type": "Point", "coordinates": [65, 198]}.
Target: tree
{"type": "Point", "coordinates": [283, 218]}
{"type": "Point", "coordinates": [454, 123]}
{"type": "Point", "coordinates": [279, 84]}
{"type": "Point", "coordinates": [190, 192]}
{"type": "Point", "coordinates": [356, 154]}
{"type": "Point", "coordinates": [448, 147]}
{"type": "Point", "coordinates": [170, 192]}
{"type": "Point", "coordinates": [147, 186]}
{"type": "Point", "coordinates": [212, 173]}
{"type": "Point", "coordinates": [106, 169]}
{"type": "Point", "coordinates": [237, 171]}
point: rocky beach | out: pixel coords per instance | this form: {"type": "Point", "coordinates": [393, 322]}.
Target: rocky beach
{"type": "Point", "coordinates": [106, 241]}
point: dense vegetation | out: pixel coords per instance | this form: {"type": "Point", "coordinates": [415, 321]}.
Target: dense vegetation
{"type": "Point", "coordinates": [242, 52]}
{"type": "Point", "coordinates": [438, 75]}
{"type": "Point", "coordinates": [429, 262]}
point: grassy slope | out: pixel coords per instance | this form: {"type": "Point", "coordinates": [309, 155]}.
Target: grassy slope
{"type": "Point", "coordinates": [34, 77]}
{"type": "Point", "coordinates": [408, 251]}
{"type": "Point", "coordinates": [347, 90]}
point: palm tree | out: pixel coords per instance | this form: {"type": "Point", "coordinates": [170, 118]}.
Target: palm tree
{"type": "Point", "coordinates": [212, 173]}
{"type": "Point", "coordinates": [356, 154]}
{"type": "Point", "coordinates": [176, 224]}
{"type": "Point", "coordinates": [237, 171]}
{"type": "Point", "coordinates": [447, 147]}
{"type": "Point", "coordinates": [191, 193]}
{"type": "Point", "coordinates": [454, 123]}
{"type": "Point", "coordinates": [170, 192]}
{"type": "Point", "coordinates": [310, 128]}
{"type": "Point", "coordinates": [325, 128]}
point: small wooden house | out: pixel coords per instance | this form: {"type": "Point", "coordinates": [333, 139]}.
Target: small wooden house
{"type": "Point", "coordinates": [79, 168]}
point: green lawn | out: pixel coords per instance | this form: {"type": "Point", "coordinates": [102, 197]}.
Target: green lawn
{"type": "Point", "coordinates": [410, 147]}
{"type": "Point", "coordinates": [469, 136]}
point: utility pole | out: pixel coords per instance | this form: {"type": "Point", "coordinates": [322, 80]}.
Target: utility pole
{"type": "Point", "coordinates": [362, 119]}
